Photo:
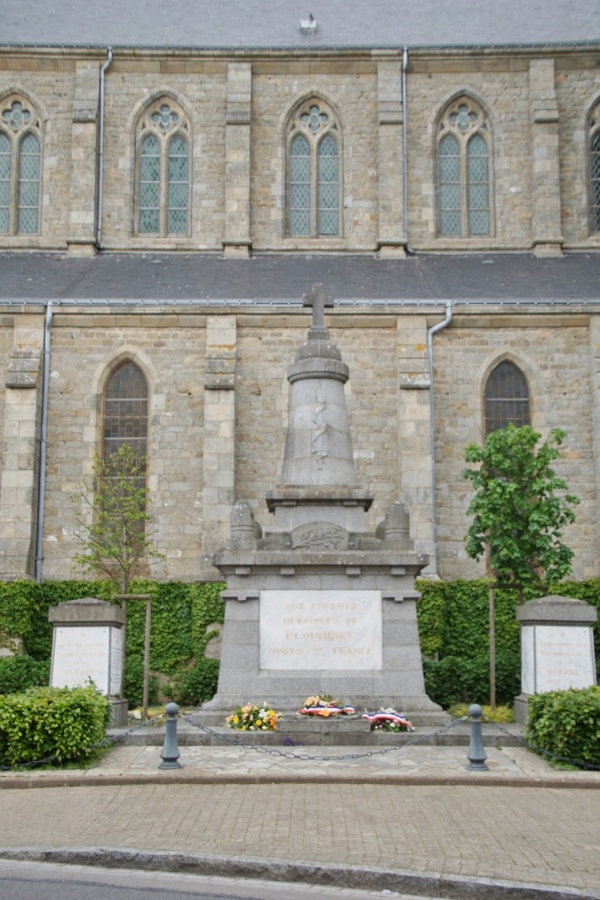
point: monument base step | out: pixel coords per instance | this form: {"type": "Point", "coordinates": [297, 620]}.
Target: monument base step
{"type": "Point", "coordinates": [301, 731]}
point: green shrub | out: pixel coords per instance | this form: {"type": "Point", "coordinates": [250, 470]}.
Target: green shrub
{"type": "Point", "coordinates": [17, 673]}
{"type": "Point", "coordinates": [456, 679]}
{"type": "Point", "coordinates": [52, 722]}
{"type": "Point", "coordinates": [566, 724]}
{"type": "Point", "coordinates": [194, 686]}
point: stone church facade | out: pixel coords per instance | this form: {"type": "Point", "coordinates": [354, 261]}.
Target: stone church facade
{"type": "Point", "coordinates": [167, 198]}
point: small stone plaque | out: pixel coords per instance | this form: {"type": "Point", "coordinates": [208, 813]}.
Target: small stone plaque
{"type": "Point", "coordinates": [556, 658]}
{"type": "Point", "coordinates": [321, 630]}
{"type": "Point", "coordinates": [80, 653]}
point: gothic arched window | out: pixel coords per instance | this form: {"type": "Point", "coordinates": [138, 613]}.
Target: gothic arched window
{"type": "Point", "coordinates": [163, 171]}
{"type": "Point", "coordinates": [20, 167]}
{"type": "Point", "coordinates": [126, 411]}
{"type": "Point", "coordinates": [463, 171]}
{"type": "Point", "coordinates": [314, 173]}
{"type": "Point", "coordinates": [506, 398]}
{"type": "Point", "coordinates": [594, 150]}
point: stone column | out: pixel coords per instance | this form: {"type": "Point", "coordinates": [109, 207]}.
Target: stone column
{"type": "Point", "coordinates": [19, 485]}
{"type": "Point", "coordinates": [414, 429]}
{"type": "Point", "coordinates": [595, 393]}
{"type": "Point", "coordinates": [391, 240]}
{"type": "Point", "coordinates": [237, 165]}
{"type": "Point", "coordinates": [546, 212]}
{"type": "Point", "coordinates": [82, 215]}
{"type": "Point", "coordinates": [219, 435]}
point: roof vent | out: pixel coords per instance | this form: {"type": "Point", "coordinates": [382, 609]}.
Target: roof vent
{"type": "Point", "coordinates": [309, 24]}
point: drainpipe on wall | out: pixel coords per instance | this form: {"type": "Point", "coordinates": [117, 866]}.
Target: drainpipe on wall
{"type": "Point", "coordinates": [43, 446]}
{"type": "Point", "coordinates": [101, 150]}
{"type": "Point", "coordinates": [405, 151]}
{"type": "Point", "coordinates": [434, 330]}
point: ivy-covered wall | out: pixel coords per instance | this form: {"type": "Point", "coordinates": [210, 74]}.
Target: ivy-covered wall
{"type": "Point", "coordinates": [453, 627]}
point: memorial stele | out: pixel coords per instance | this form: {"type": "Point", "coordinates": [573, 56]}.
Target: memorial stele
{"type": "Point", "coordinates": [87, 645]}
{"type": "Point", "coordinates": [557, 648]}
{"type": "Point", "coordinates": [318, 604]}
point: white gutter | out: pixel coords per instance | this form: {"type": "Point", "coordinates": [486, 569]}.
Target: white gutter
{"type": "Point", "coordinates": [101, 150]}
{"type": "Point", "coordinates": [434, 330]}
{"type": "Point", "coordinates": [43, 446]}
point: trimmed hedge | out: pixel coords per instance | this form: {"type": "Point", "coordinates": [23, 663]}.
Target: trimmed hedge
{"type": "Point", "coordinates": [52, 722]}
{"type": "Point", "coordinates": [567, 725]}
{"type": "Point", "coordinates": [459, 679]}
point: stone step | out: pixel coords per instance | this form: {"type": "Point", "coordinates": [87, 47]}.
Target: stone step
{"type": "Point", "coordinates": [301, 731]}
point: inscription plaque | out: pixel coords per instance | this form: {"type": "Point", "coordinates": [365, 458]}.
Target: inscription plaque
{"type": "Point", "coordinates": [556, 658]}
{"type": "Point", "coordinates": [80, 653]}
{"type": "Point", "coordinates": [323, 630]}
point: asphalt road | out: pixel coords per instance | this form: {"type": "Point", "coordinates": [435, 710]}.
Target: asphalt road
{"type": "Point", "coordinates": [24, 880]}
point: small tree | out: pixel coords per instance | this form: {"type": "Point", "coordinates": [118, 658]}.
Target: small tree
{"type": "Point", "coordinates": [116, 542]}
{"type": "Point", "coordinates": [519, 510]}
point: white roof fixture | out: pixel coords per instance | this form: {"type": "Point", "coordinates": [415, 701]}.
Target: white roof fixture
{"type": "Point", "coordinates": [309, 24]}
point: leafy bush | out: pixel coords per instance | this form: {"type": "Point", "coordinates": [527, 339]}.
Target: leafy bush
{"type": "Point", "coordinates": [194, 686]}
{"type": "Point", "coordinates": [52, 722]}
{"type": "Point", "coordinates": [460, 679]}
{"type": "Point", "coordinates": [566, 724]}
{"type": "Point", "coordinates": [17, 673]}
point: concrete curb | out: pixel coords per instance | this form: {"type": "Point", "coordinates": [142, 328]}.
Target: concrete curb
{"type": "Point", "coordinates": [452, 887]}
{"type": "Point", "coordinates": [180, 776]}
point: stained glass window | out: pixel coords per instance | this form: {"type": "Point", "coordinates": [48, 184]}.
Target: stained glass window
{"type": "Point", "coordinates": [313, 201]}
{"type": "Point", "coordinates": [178, 186]}
{"type": "Point", "coordinates": [163, 171]}
{"type": "Point", "coordinates": [327, 186]}
{"type": "Point", "coordinates": [463, 172]}
{"type": "Point", "coordinates": [126, 410]}
{"type": "Point", "coordinates": [506, 398]}
{"type": "Point", "coordinates": [20, 169]}
{"type": "Point", "coordinates": [29, 185]}
{"type": "Point", "coordinates": [4, 182]}
{"type": "Point", "coordinates": [595, 173]}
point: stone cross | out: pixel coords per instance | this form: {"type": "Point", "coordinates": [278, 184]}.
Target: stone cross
{"type": "Point", "coordinates": [318, 299]}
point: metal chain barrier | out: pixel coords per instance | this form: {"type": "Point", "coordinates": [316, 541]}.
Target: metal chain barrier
{"type": "Point", "coordinates": [307, 756]}
{"type": "Point", "coordinates": [112, 739]}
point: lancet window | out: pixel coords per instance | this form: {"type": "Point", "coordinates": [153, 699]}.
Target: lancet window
{"type": "Point", "coordinates": [20, 167]}
{"type": "Point", "coordinates": [506, 398]}
{"type": "Point", "coordinates": [163, 171]}
{"type": "Point", "coordinates": [314, 172]}
{"type": "Point", "coordinates": [594, 150]}
{"type": "Point", "coordinates": [463, 150]}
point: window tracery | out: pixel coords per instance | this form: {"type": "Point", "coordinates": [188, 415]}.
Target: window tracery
{"type": "Point", "coordinates": [463, 149]}
{"type": "Point", "coordinates": [163, 170]}
{"type": "Point", "coordinates": [314, 172]}
{"type": "Point", "coordinates": [20, 167]}
{"type": "Point", "coordinates": [506, 398]}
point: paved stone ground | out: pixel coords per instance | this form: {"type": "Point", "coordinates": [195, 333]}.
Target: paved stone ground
{"type": "Point", "coordinates": [521, 821]}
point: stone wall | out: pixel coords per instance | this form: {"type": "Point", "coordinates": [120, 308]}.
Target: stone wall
{"type": "Point", "coordinates": [536, 107]}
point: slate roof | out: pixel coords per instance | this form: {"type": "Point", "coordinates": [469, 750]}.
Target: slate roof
{"type": "Point", "coordinates": [161, 279]}
{"type": "Point", "coordinates": [276, 23]}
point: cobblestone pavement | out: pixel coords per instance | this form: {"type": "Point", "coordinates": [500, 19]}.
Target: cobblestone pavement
{"type": "Point", "coordinates": [520, 821]}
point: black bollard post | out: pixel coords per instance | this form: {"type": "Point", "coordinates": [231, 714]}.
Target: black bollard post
{"type": "Point", "coordinates": [476, 755]}
{"type": "Point", "coordinates": [170, 750]}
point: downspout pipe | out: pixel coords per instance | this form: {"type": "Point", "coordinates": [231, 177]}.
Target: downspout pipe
{"type": "Point", "coordinates": [43, 445]}
{"type": "Point", "coordinates": [430, 334]}
{"type": "Point", "coordinates": [405, 151]}
{"type": "Point", "coordinates": [100, 185]}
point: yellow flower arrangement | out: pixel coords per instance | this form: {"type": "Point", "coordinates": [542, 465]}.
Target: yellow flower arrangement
{"type": "Point", "coordinates": [253, 717]}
